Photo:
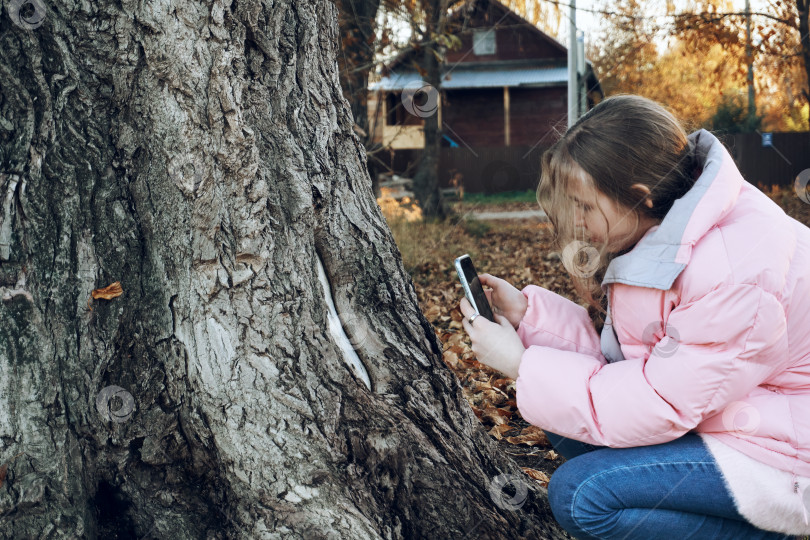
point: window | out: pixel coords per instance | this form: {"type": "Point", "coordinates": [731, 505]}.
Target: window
{"type": "Point", "coordinates": [397, 115]}
{"type": "Point", "coordinates": [484, 42]}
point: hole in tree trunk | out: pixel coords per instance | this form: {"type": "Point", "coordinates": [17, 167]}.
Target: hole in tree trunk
{"type": "Point", "coordinates": [114, 521]}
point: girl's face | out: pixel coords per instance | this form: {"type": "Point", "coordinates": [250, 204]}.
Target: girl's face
{"type": "Point", "coordinates": [602, 219]}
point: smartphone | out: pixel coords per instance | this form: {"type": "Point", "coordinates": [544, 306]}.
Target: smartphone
{"type": "Point", "coordinates": [472, 286]}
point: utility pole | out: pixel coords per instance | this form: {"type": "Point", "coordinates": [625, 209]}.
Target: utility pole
{"type": "Point", "coordinates": [581, 70]}
{"type": "Point", "coordinates": [749, 57]}
{"type": "Point", "coordinates": [572, 64]}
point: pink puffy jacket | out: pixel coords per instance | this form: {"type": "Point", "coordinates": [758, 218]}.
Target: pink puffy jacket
{"type": "Point", "coordinates": [708, 330]}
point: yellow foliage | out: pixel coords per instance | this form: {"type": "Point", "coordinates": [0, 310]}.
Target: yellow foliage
{"type": "Point", "coordinates": [402, 209]}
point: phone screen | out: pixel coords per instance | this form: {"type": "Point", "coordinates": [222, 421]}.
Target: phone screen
{"type": "Point", "coordinates": [473, 289]}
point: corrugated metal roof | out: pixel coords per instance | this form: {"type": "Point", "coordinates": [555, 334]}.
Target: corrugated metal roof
{"type": "Point", "coordinates": [466, 77]}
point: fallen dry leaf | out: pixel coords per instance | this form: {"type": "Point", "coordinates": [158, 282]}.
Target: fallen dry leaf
{"type": "Point", "coordinates": [433, 312]}
{"type": "Point", "coordinates": [531, 436]}
{"type": "Point", "coordinates": [494, 415]}
{"type": "Point", "coordinates": [450, 358]}
{"type": "Point", "coordinates": [109, 292]}
{"type": "Point", "coordinates": [540, 476]}
{"type": "Point", "coordinates": [505, 411]}
{"type": "Point", "coordinates": [552, 455]}
{"type": "Point", "coordinates": [498, 431]}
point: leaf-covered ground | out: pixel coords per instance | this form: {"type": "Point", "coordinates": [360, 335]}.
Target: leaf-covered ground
{"type": "Point", "coordinates": [518, 251]}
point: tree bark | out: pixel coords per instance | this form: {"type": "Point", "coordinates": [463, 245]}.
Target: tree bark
{"type": "Point", "coordinates": [203, 156]}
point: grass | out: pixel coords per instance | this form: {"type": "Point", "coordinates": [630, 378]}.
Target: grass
{"type": "Point", "coordinates": [499, 198]}
{"type": "Point", "coordinates": [432, 243]}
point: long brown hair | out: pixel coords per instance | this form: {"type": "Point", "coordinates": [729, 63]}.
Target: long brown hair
{"type": "Point", "coordinates": [622, 141]}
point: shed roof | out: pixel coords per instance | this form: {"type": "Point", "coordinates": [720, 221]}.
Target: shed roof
{"type": "Point", "coordinates": [463, 76]}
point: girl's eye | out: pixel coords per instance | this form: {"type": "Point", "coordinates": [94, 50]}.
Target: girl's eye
{"type": "Point", "coordinates": [585, 207]}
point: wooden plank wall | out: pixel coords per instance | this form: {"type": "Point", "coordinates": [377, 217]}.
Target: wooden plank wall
{"type": "Point", "coordinates": [777, 165]}
{"type": "Point", "coordinates": [498, 169]}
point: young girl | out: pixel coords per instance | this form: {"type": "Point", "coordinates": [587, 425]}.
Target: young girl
{"type": "Point", "coordinates": [689, 416]}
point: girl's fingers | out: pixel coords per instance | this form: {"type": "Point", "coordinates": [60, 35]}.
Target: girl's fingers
{"type": "Point", "coordinates": [465, 307]}
{"type": "Point", "coordinates": [495, 308]}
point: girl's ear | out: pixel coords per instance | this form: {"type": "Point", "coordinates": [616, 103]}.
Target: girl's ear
{"type": "Point", "coordinates": [645, 192]}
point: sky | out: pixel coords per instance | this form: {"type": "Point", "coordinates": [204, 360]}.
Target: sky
{"type": "Point", "coordinates": [590, 22]}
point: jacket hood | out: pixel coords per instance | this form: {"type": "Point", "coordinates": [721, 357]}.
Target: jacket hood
{"type": "Point", "coordinates": [663, 252]}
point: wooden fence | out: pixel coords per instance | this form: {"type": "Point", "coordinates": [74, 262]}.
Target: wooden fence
{"type": "Point", "coordinates": [480, 170]}
{"type": "Point", "coordinates": [494, 170]}
{"type": "Point", "coordinates": [774, 165]}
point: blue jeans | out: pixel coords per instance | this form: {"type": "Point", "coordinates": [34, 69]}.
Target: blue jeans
{"type": "Point", "coordinates": [669, 491]}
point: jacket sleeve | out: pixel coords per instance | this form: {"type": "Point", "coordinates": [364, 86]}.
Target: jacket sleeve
{"type": "Point", "coordinates": [729, 341]}
{"type": "Point", "coordinates": [554, 321]}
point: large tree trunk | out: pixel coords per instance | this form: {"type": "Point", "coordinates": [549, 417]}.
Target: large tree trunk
{"type": "Point", "coordinates": [204, 157]}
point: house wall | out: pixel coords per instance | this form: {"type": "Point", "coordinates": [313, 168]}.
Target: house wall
{"type": "Point", "coordinates": [474, 117]}
{"type": "Point", "coordinates": [535, 112]}
{"type": "Point", "coordinates": [514, 43]}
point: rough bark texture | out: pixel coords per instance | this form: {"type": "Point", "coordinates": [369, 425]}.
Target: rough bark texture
{"type": "Point", "coordinates": [203, 156]}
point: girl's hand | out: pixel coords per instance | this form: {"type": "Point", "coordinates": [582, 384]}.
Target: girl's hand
{"type": "Point", "coordinates": [495, 344]}
{"type": "Point", "coordinates": [505, 299]}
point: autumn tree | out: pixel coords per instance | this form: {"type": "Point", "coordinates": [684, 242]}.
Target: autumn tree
{"type": "Point", "coordinates": [778, 51]}
{"type": "Point", "coordinates": [695, 58]}
{"type": "Point", "coordinates": [364, 36]}
{"type": "Point", "coordinates": [625, 50]}
{"type": "Point", "coordinates": [206, 330]}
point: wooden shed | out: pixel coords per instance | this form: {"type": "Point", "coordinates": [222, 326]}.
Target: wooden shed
{"type": "Point", "coordinates": [505, 86]}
